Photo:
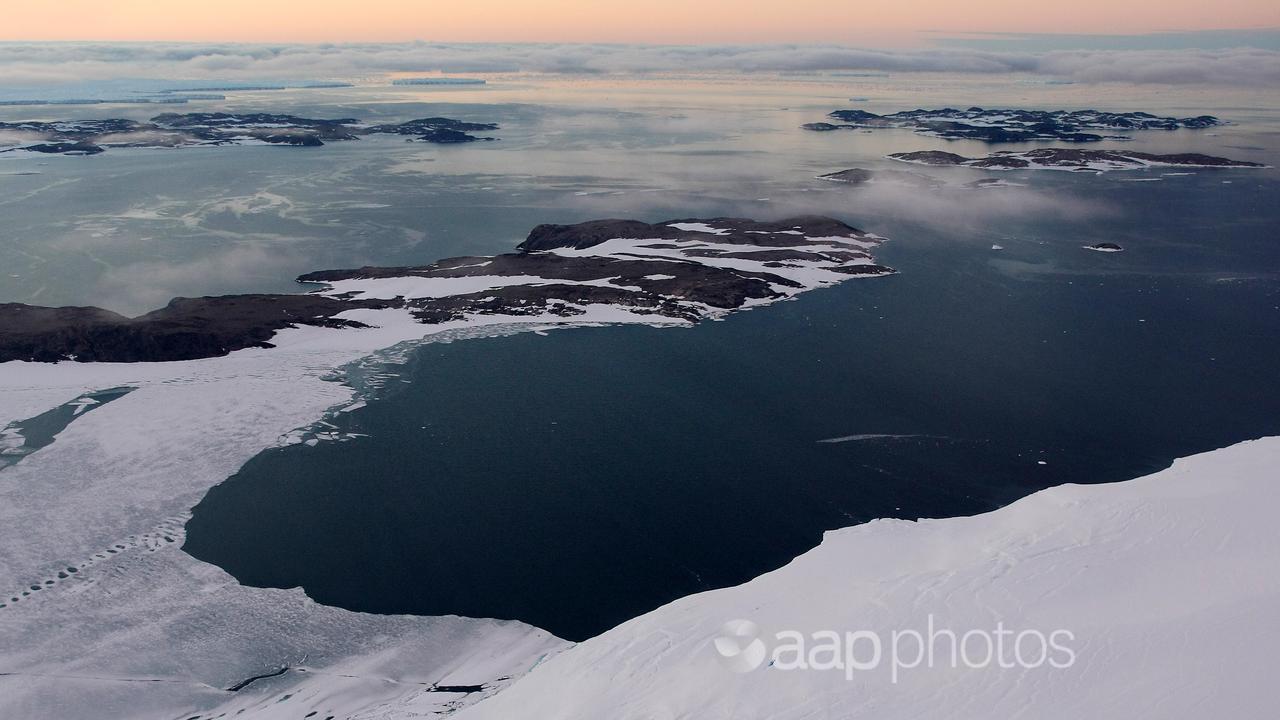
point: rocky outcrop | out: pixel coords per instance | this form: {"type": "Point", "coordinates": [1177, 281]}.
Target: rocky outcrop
{"type": "Point", "coordinates": [65, 148]}
{"type": "Point", "coordinates": [185, 329]}
{"type": "Point", "coordinates": [1107, 247]}
{"type": "Point", "coordinates": [438, 130]}
{"type": "Point", "coordinates": [863, 176]}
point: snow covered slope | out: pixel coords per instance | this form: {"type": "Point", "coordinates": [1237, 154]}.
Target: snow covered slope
{"type": "Point", "coordinates": [1166, 585]}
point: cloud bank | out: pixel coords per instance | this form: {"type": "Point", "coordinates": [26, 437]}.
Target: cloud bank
{"type": "Point", "coordinates": [35, 64]}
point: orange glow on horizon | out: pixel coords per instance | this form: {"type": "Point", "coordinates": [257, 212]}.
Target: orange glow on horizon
{"type": "Point", "coordinates": [875, 22]}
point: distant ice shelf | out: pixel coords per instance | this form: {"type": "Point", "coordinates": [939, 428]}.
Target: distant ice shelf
{"type": "Point", "coordinates": [146, 92]}
{"type": "Point", "coordinates": [437, 81]}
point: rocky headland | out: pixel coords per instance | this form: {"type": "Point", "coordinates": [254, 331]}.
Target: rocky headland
{"type": "Point", "coordinates": [681, 270]}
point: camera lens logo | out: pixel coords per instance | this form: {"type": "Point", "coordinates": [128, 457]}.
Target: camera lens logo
{"type": "Point", "coordinates": [739, 646]}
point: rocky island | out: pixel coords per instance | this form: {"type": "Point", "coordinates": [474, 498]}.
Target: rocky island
{"type": "Point", "coordinates": [679, 271]}
{"type": "Point", "coordinates": [1070, 159]}
{"type": "Point", "coordinates": [1007, 125]}
{"type": "Point", "coordinates": [1106, 247]}
{"type": "Point", "coordinates": [863, 176]}
{"type": "Point", "coordinates": [90, 137]}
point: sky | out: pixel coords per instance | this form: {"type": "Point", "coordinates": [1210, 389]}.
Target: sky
{"type": "Point", "coordinates": [876, 23]}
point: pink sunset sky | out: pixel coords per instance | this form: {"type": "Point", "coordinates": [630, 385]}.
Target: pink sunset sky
{"type": "Point", "coordinates": [877, 22]}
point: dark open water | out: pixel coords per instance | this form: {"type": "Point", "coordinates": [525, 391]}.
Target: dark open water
{"type": "Point", "coordinates": [576, 480]}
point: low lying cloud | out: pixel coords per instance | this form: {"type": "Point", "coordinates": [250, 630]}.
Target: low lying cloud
{"type": "Point", "coordinates": [880, 207]}
{"type": "Point", "coordinates": [143, 286]}
{"type": "Point", "coordinates": [973, 210]}
{"type": "Point", "coordinates": [1247, 67]}
{"type": "Point", "coordinates": [26, 64]}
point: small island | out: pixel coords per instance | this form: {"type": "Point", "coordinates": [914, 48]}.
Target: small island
{"type": "Point", "coordinates": [1010, 125]}
{"type": "Point", "coordinates": [863, 176]}
{"type": "Point", "coordinates": [1070, 159]}
{"type": "Point", "coordinates": [1106, 247]}
{"type": "Point", "coordinates": [679, 271]}
{"type": "Point", "coordinates": [171, 130]}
